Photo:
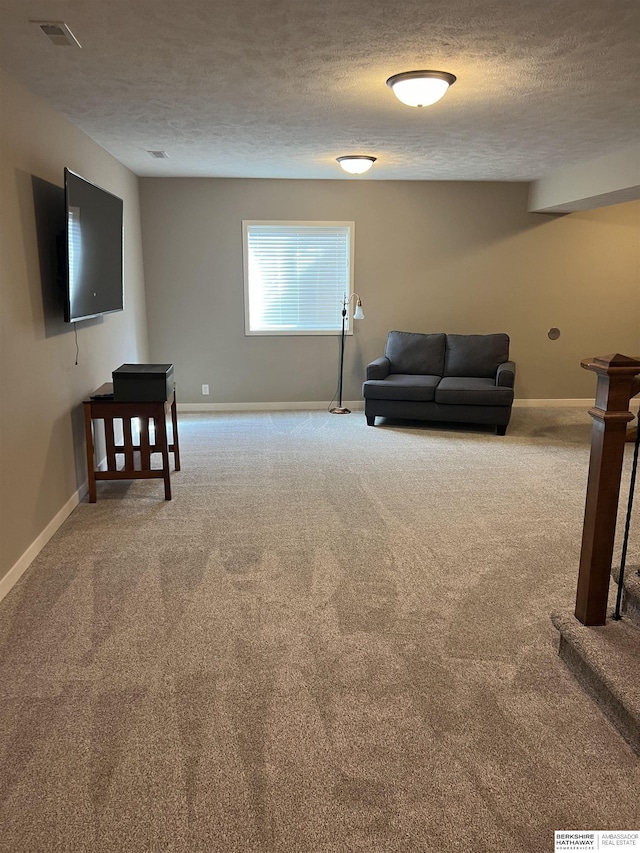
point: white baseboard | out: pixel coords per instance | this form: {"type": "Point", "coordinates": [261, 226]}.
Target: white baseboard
{"type": "Point", "coordinates": [355, 405]}
{"type": "Point", "coordinates": [20, 567]}
{"type": "Point", "coordinates": [576, 402]}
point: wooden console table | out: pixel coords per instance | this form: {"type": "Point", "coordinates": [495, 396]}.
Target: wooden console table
{"type": "Point", "coordinates": [136, 457]}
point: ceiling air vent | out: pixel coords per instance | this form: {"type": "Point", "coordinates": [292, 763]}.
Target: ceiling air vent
{"type": "Point", "coordinates": [159, 155]}
{"type": "Point", "coordinates": [58, 33]}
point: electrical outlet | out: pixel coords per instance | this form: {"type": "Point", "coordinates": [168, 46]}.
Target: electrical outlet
{"type": "Point", "coordinates": [205, 390]}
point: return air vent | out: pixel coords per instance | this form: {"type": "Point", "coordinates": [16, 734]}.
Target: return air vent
{"type": "Point", "coordinates": [58, 33]}
{"type": "Point", "coordinates": [159, 155]}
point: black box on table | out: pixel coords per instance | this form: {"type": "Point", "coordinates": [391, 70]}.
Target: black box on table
{"type": "Point", "coordinates": [142, 383]}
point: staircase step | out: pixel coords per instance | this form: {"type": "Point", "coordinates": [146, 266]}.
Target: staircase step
{"type": "Point", "coordinates": [630, 608]}
{"type": "Point", "coordinates": [606, 662]}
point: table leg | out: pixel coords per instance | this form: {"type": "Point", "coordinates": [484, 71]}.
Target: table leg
{"type": "Point", "coordinates": [174, 427]}
{"type": "Point", "coordinates": [163, 444]}
{"type": "Point", "coordinates": [91, 474]}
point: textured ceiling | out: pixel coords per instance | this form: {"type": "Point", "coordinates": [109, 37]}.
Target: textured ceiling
{"type": "Point", "coordinates": [280, 88]}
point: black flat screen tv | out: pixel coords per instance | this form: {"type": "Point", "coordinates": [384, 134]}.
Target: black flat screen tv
{"type": "Point", "coordinates": [93, 250]}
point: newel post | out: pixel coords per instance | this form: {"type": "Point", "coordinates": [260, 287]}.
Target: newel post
{"type": "Point", "coordinates": [616, 385]}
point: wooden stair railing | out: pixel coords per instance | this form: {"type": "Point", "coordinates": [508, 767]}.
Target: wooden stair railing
{"type": "Point", "coordinates": [618, 382]}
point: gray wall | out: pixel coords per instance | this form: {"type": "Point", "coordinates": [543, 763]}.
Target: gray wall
{"type": "Point", "coordinates": [42, 463]}
{"type": "Point", "coordinates": [454, 257]}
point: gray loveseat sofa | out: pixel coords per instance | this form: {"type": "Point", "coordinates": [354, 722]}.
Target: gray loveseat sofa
{"type": "Point", "coordinates": [438, 377]}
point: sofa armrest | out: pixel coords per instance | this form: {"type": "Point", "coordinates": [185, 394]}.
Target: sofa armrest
{"type": "Point", "coordinates": [379, 369]}
{"type": "Point", "coordinates": [506, 374]}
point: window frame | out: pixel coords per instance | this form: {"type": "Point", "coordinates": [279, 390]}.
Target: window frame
{"type": "Point", "coordinates": [299, 223]}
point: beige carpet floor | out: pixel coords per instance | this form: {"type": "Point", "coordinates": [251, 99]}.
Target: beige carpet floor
{"type": "Point", "coordinates": [334, 638]}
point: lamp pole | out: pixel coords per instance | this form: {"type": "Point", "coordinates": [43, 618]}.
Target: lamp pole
{"type": "Point", "coordinates": [358, 314]}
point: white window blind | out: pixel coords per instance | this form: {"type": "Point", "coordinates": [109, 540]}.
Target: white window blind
{"type": "Point", "coordinates": [74, 246]}
{"type": "Point", "coordinates": [296, 276]}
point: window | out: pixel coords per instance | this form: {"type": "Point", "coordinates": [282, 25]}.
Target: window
{"type": "Point", "coordinates": [296, 275]}
{"type": "Point", "coordinates": [74, 246]}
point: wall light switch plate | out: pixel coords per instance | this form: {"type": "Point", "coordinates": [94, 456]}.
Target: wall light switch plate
{"type": "Point", "coordinates": [205, 390]}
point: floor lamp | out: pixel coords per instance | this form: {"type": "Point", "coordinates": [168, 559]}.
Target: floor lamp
{"type": "Point", "coordinates": [358, 314]}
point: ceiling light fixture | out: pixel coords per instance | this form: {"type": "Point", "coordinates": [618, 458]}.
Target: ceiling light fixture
{"type": "Point", "coordinates": [420, 88]}
{"type": "Point", "coordinates": [356, 164]}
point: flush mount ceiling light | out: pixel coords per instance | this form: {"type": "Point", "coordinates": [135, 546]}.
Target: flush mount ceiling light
{"type": "Point", "coordinates": [356, 164]}
{"type": "Point", "coordinates": [420, 88]}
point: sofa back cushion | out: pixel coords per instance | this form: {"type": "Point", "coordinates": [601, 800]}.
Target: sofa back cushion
{"type": "Point", "coordinates": [415, 353]}
{"type": "Point", "coordinates": [475, 355]}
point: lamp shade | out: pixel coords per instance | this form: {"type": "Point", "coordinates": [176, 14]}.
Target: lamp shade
{"type": "Point", "coordinates": [420, 88]}
{"type": "Point", "coordinates": [358, 314]}
{"type": "Point", "coordinates": [356, 164]}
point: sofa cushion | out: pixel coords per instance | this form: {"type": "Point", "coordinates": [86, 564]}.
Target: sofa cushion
{"type": "Point", "coordinates": [475, 355]}
{"type": "Point", "coordinates": [472, 391]}
{"type": "Point", "coordinates": [415, 353]}
{"type": "Point", "coordinates": [401, 386]}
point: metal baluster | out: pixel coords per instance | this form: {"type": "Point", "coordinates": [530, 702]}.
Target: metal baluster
{"type": "Point", "coordinates": [623, 559]}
